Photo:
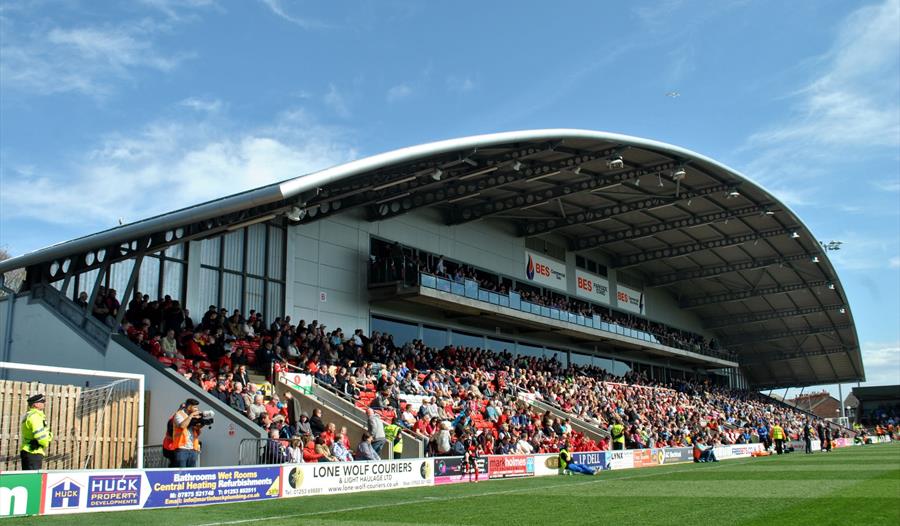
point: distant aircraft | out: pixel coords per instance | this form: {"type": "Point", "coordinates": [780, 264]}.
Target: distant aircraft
{"type": "Point", "coordinates": [673, 94]}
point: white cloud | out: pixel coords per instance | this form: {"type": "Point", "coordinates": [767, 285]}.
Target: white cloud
{"type": "Point", "coordinates": [460, 84]}
{"type": "Point", "coordinates": [887, 186]}
{"type": "Point", "coordinates": [336, 101]}
{"type": "Point", "coordinates": [278, 8]}
{"type": "Point", "coordinates": [202, 104]}
{"type": "Point", "coordinates": [79, 59]}
{"type": "Point", "coordinates": [400, 91]}
{"type": "Point", "coordinates": [894, 262]}
{"type": "Point", "coordinates": [168, 165]}
{"type": "Point", "coordinates": [882, 363]}
{"type": "Point", "coordinates": [179, 10]}
{"type": "Point", "coordinates": [854, 102]}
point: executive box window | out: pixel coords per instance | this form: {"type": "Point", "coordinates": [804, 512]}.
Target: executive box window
{"type": "Point", "coordinates": [245, 269]}
{"type": "Point", "coordinates": [162, 273]}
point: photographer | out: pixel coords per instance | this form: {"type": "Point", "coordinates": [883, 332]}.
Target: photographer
{"type": "Point", "coordinates": [186, 433]}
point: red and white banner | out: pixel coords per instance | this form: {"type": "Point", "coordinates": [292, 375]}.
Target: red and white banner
{"type": "Point", "coordinates": [545, 272]}
{"type": "Point", "coordinates": [505, 466]}
{"type": "Point", "coordinates": [630, 299]}
{"type": "Point", "coordinates": [591, 287]}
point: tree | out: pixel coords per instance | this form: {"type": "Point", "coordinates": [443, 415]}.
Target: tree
{"type": "Point", "coordinates": [14, 278]}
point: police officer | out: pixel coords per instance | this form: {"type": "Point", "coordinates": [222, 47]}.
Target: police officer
{"type": "Point", "coordinates": [36, 436]}
{"type": "Point", "coordinates": [617, 432]}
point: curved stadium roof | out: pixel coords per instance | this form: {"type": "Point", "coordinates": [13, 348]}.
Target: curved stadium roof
{"type": "Point", "coordinates": [721, 244]}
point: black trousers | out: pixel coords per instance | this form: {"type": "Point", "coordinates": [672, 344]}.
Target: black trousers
{"type": "Point", "coordinates": [779, 445]}
{"type": "Point", "coordinates": [808, 442]}
{"type": "Point", "coordinates": [31, 461]}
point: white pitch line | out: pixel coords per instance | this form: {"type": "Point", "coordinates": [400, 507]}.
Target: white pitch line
{"type": "Point", "coordinates": [594, 480]}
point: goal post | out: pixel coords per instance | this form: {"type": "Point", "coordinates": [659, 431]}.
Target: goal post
{"type": "Point", "coordinates": [97, 417]}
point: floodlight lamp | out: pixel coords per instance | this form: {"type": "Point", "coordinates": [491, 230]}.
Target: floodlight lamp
{"type": "Point", "coordinates": [732, 194]}
{"type": "Point", "coordinates": [615, 162]}
{"type": "Point", "coordinates": [815, 259]}
{"type": "Point", "coordinates": [831, 286]}
{"type": "Point", "coordinates": [577, 170]}
{"type": "Point", "coordinates": [295, 213]}
{"type": "Point", "coordinates": [842, 310]}
{"type": "Point", "coordinates": [795, 235]}
{"type": "Point", "coordinates": [517, 165]}
{"type": "Point", "coordinates": [437, 174]}
{"type": "Point", "coordinates": [679, 174]}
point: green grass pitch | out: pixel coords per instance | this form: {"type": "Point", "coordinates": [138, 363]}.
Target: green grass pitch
{"type": "Point", "coordinates": [858, 485]}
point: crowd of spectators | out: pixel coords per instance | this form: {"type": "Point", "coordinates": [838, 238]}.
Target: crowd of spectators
{"type": "Point", "coordinates": [444, 397]}
{"type": "Point", "coordinates": [395, 262]}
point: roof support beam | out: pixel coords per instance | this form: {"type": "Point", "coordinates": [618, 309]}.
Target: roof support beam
{"type": "Point", "coordinates": [737, 295]}
{"type": "Point", "coordinates": [777, 335]}
{"type": "Point", "coordinates": [682, 250]}
{"type": "Point", "coordinates": [595, 181]}
{"type": "Point", "coordinates": [709, 272]}
{"type": "Point", "coordinates": [742, 319]}
{"type": "Point", "coordinates": [650, 230]}
{"type": "Point", "coordinates": [421, 190]}
{"type": "Point", "coordinates": [765, 358]}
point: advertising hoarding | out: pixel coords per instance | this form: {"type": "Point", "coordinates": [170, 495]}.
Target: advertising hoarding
{"type": "Point", "coordinates": [172, 488]}
{"type": "Point", "coordinates": [20, 494]}
{"type": "Point", "coordinates": [507, 466]}
{"type": "Point", "coordinates": [450, 470]}
{"type": "Point", "coordinates": [347, 477]}
{"type": "Point", "coordinates": [591, 287]}
{"type": "Point", "coordinates": [629, 299]}
{"type": "Point", "coordinates": [545, 272]}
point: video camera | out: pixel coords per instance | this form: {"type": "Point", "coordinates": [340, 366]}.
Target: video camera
{"type": "Point", "coordinates": [205, 419]}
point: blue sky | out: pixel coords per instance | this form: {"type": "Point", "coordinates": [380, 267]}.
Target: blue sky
{"type": "Point", "coordinates": [126, 109]}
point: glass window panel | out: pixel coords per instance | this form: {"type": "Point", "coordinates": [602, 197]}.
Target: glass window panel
{"type": "Point", "coordinates": [275, 306]}
{"type": "Point", "coordinates": [276, 252]}
{"type": "Point", "coordinates": [173, 279]}
{"type": "Point", "coordinates": [231, 292]}
{"type": "Point", "coordinates": [529, 350]}
{"type": "Point", "coordinates": [234, 250]}
{"type": "Point", "coordinates": [256, 249]}
{"type": "Point", "coordinates": [175, 251]}
{"type": "Point", "coordinates": [86, 281]}
{"type": "Point", "coordinates": [581, 360]}
{"type": "Point", "coordinates": [148, 277]}
{"type": "Point", "coordinates": [435, 337]}
{"type": "Point", "coordinates": [209, 251]}
{"type": "Point", "coordinates": [118, 276]}
{"type": "Point", "coordinates": [401, 331]}
{"type": "Point", "coordinates": [209, 290]}
{"type": "Point", "coordinates": [501, 345]}
{"type": "Point", "coordinates": [467, 340]}
{"type": "Point", "coordinates": [253, 296]}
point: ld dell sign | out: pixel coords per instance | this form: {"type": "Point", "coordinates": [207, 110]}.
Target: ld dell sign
{"type": "Point", "coordinates": [20, 494]}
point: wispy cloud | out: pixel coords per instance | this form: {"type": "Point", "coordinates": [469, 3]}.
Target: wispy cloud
{"type": "Point", "coordinates": [400, 91]}
{"type": "Point", "coordinates": [851, 105]}
{"type": "Point", "coordinates": [463, 84]}
{"type": "Point", "coordinates": [882, 361]}
{"type": "Point", "coordinates": [894, 262]}
{"type": "Point", "coordinates": [206, 105]}
{"type": "Point", "coordinates": [170, 164]}
{"type": "Point", "coordinates": [87, 60]}
{"type": "Point", "coordinates": [335, 100]}
{"type": "Point", "coordinates": [278, 8]}
{"type": "Point", "coordinates": [887, 186]}
{"type": "Point", "coordinates": [180, 10]}
{"type": "Point", "coordinates": [861, 252]}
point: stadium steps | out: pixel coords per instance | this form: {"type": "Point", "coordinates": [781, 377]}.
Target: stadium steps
{"type": "Point", "coordinates": [592, 431]}
{"type": "Point", "coordinates": [343, 412]}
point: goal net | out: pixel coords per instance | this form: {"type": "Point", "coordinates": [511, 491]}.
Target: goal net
{"type": "Point", "coordinates": [96, 417]}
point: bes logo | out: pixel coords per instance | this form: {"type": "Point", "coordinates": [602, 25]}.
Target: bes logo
{"type": "Point", "coordinates": [529, 268]}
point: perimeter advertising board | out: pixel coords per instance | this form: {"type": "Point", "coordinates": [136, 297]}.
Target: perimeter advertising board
{"type": "Point", "coordinates": [674, 455]}
{"type": "Point", "coordinates": [347, 477]}
{"type": "Point", "coordinates": [450, 470]}
{"type": "Point", "coordinates": [170, 488]}
{"type": "Point", "coordinates": [546, 464]}
{"type": "Point", "coordinates": [629, 299]}
{"type": "Point", "coordinates": [591, 287]}
{"type": "Point", "coordinates": [509, 466]}
{"type": "Point", "coordinates": [81, 491]}
{"type": "Point", "coordinates": [736, 451]}
{"type": "Point", "coordinates": [592, 459]}
{"type": "Point", "coordinates": [20, 494]}
{"type": "Point", "coordinates": [621, 459]}
{"type": "Point", "coordinates": [545, 272]}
